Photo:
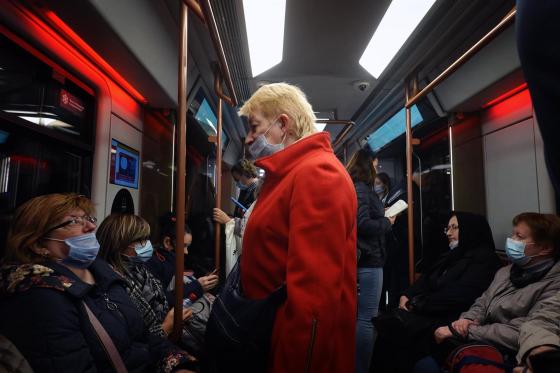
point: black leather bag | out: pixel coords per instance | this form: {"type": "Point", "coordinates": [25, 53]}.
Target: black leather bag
{"type": "Point", "coordinates": [239, 330]}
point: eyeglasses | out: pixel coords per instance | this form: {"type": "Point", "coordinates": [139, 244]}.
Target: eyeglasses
{"type": "Point", "coordinates": [76, 220]}
{"type": "Point", "coordinates": [450, 228]}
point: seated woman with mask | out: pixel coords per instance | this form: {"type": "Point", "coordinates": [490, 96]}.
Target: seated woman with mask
{"type": "Point", "coordinates": [65, 309]}
{"type": "Point", "coordinates": [121, 238]}
{"type": "Point", "coordinates": [449, 286]}
{"type": "Point", "coordinates": [517, 289]}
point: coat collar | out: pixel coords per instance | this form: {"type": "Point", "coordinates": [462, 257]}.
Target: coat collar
{"type": "Point", "coordinates": [21, 278]}
{"type": "Point", "coordinates": [282, 162]}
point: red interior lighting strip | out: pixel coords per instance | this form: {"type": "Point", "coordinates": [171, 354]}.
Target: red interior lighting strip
{"type": "Point", "coordinates": [505, 96]}
{"type": "Point", "coordinates": [90, 53]}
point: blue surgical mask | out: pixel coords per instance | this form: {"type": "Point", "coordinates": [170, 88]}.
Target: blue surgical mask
{"type": "Point", "coordinates": [144, 252]}
{"type": "Point", "coordinates": [241, 186]}
{"type": "Point", "coordinates": [453, 244]}
{"type": "Point", "coordinates": [262, 148]}
{"type": "Point", "coordinates": [515, 251]}
{"type": "Point", "coordinates": [83, 250]}
{"type": "Point", "coordinates": [379, 189]}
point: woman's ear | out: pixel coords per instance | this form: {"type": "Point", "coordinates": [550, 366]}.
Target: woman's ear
{"type": "Point", "coordinates": [40, 249]}
{"type": "Point", "coordinates": [167, 243]}
{"type": "Point", "coordinates": [285, 123]}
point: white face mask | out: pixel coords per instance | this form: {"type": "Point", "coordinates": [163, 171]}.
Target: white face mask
{"type": "Point", "coordinates": [262, 148]}
{"type": "Point", "coordinates": [453, 244]}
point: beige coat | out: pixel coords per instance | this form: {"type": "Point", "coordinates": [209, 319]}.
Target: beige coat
{"type": "Point", "coordinates": [541, 328]}
{"type": "Point", "coordinates": [502, 308]}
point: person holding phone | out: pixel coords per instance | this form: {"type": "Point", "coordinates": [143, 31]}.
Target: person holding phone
{"type": "Point", "coordinates": [162, 262]}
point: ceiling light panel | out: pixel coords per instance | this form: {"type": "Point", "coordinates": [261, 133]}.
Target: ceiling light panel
{"type": "Point", "coordinates": [264, 21]}
{"type": "Point", "coordinates": [393, 31]}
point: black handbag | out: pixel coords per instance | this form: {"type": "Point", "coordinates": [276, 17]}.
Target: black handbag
{"type": "Point", "coordinates": [239, 330]}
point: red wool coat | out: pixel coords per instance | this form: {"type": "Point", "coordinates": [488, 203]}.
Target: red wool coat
{"type": "Point", "coordinates": [303, 232]}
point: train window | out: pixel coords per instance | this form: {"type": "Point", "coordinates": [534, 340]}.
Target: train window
{"type": "Point", "coordinates": [393, 128]}
{"type": "Point", "coordinates": [41, 97]}
{"type": "Point", "coordinates": [47, 132]}
{"type": "Point", "coordinates": [205, 116]}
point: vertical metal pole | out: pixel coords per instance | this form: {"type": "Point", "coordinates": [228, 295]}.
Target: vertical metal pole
{"type": "Point", "coordinates": [451, 162]}
{"type": "Point", "coordinates": [218, 228]}
{"type": "Point", "coordinates": [181, 172]}
{"type": "Point", "coordinates": [410, 200]}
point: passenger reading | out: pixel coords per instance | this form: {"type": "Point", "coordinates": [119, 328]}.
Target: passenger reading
{"type": "Point", "coordinates": [396, 208]}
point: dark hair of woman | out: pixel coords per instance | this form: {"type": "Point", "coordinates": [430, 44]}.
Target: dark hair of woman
{"type": "Point", "coordinates": [385, 180]}
{"type": "Point", "coordinates": [360, 167]}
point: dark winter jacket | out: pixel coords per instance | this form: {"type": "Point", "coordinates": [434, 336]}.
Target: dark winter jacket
{"type": "Point", "coordinates": [460, 275]}
{"type": "Point", "coordinates": [41, 312]}
{"type": "Point", "coordinates": [372, 227]}
{"type": "Point", "coordinates": [162, 266]}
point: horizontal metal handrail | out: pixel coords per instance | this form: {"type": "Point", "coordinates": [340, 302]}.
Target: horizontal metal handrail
{"type": "Point", "coordinates": [491, 35]}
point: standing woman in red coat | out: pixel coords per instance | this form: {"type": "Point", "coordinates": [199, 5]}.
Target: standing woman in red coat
{"type": "Point", "coordinates": [302, 232]}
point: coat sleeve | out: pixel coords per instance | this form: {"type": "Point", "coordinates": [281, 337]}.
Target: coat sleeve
{"type": "Point", "coordinates": [46, 328]}
{"type": "Point", "coordinates": [477, 312]}
{"type": "Point", "coordinates": [367, 225]}
{"type": "Point", "coordinates": [321, 250]}
{"type": "Point", "coordinates": [458, 294]}
{"type": "Point", "coordinates": [501, 335]}
{"type": "Point", "coordinates": [419, 287]}
{"type": "Point", "coordinates": [541, 328]}
{"type": "Point", "coordinates": [507, 335]}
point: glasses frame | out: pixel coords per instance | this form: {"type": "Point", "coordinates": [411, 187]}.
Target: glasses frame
{"type": "Point", "coordinates": [74, 221]}
{"type": "Point", "coordinates": [451, 228]}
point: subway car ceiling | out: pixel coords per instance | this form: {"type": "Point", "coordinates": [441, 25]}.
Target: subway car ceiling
{"type": "Point", "coordinates": [126, 51]}
{"type": "Point", "coordinates": [322, 46]}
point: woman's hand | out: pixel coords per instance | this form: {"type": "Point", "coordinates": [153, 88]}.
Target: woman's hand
{"type": "Point", "coordinates": [402, 303]}
{"type": "Point", "coordinates": [392, 219]}
{"type": "Point", "coordinates": [462, 326]}
{"type": "Point", "coordinates": [442, 333]}
{"type": "Point", "coordinates": [167, 324]}
{"type": "Point", "coordinates": [208, 282]}
{"type": "Point", "coordinates": [221, 217]}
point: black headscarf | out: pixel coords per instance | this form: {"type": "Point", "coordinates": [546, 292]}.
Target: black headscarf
{"type": "Point", "coordinates": [474, 234]}
{"type": "Point", "coordinates": [474, 231]}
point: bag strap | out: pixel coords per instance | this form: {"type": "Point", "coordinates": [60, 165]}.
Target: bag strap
{"type": "Point", "coordinates": [107, 342]}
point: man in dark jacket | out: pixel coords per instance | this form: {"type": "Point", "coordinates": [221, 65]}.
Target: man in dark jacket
{"type": "Point", "coordinates": [448, 287]}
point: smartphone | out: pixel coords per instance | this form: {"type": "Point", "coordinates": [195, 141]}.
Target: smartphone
{"type": "Point", "coordinates": [238, 204]}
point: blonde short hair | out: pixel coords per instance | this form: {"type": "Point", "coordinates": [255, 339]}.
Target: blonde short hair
{"type": "Point", "coordinates": [281, 98]}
